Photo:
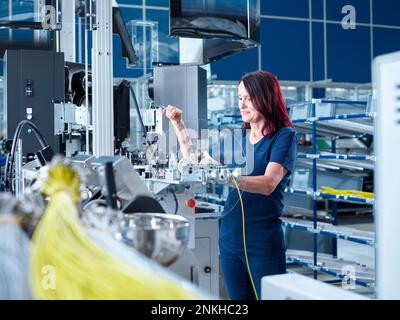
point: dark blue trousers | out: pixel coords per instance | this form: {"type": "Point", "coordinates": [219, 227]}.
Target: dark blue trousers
{"type": "Point", "coordinates": [237, 278]}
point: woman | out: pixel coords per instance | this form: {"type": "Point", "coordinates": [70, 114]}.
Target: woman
{"type": "Point", "coordinates": [273, 140]}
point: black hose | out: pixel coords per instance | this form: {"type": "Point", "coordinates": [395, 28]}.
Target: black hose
{"type": "Point", "coordinates": [11, 157]}
{"type": "Point", "coordinates": [176, 201]}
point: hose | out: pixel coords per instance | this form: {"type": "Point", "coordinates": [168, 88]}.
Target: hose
{"type": "Point", "coordinates": [176, 201]}
{"type": "Point", "coordinates": [11, 157]}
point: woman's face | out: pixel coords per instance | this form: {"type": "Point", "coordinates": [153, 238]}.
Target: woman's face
{"type": "Point", "coordinates": [247, 110]}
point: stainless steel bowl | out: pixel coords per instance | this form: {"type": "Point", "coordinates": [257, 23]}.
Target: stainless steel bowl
{"type": "Point", "coordinates": [161, 237]}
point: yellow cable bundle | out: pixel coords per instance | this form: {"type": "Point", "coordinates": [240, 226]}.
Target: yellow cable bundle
{"type": "Point", "coordinates": [350, 193]}
{"type": "Point", "coordinates": [66, 264]}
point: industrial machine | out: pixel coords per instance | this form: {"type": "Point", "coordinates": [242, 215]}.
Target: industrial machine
{"type": "Point", "coordinates": [175, 182]}
{"type": "Point", "coordinates": [86, 119]}
{"type": "Point", "coordinates": [58, 101]}
{"type": "Point", "coordinates": [55, 92]}
{"type": "Point", "coordinates": [128, 193]}
{"type": "Point", "coordinates": [386, 70]}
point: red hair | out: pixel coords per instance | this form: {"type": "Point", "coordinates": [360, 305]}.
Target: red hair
{"type": "Point", "coordinates": [266, 96]}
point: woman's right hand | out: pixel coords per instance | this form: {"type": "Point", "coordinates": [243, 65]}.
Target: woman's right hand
{"type": "Point", "coordinates": [174, 114]}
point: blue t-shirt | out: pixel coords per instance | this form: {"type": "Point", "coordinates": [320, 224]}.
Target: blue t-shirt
{"type": "Point", "coordinates": [262, 213]}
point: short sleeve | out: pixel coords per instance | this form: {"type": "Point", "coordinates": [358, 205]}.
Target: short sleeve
{"type": "Point", "coordinates": [284, 148]}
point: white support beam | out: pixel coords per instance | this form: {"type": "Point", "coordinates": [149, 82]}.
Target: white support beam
{"type": "Point", "coordinates": [67, 34]}
{"type": "Point", "coordinates": [102, 78]}
{"type": "Point", "coordinates": [39, 36]}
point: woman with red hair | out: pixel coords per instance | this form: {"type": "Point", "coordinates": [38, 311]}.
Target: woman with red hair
{"type": "Point", "coordinates": [271, 135]}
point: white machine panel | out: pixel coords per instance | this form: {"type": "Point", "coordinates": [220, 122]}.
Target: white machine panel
{"type": "Point", "coordinates": [386, 79]}
{"type": "Point", "coordinates": [298, 287]}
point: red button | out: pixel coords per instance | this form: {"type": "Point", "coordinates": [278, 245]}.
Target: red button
{"type": "Point", "coordinates": [191, 203]}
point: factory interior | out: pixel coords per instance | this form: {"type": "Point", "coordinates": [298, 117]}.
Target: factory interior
{"type": "Point", "coordinates": [123, 125]}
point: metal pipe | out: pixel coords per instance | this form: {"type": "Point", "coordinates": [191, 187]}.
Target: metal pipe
{"type": "Point", "coordinates": [334, 205]}
{"type": "Point", "coordinates": [87, 90]}
{"type": "Point", "coordinates": [314, 142]}
{"type": "Point", "coordinates": [57, 31]}
{"type": "Point", "coordinates": [80, 40]}
{"type": "Point", "coordinates": [10, 18]}
{"type": "Point", "coordinates": [144, 40]}
{"type": "Point", "coordinates": [18, 169]}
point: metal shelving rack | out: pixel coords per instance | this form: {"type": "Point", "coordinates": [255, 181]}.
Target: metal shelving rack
{"type": "Point", "coordinates": [322, 195]}
{"type": "Point", "coordinates": [315, 227]}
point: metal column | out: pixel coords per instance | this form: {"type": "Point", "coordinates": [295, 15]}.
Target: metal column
{"type": "Point", "coordinates": [67, 34]}
{"type": "Point", "coordinates": [334, 207]}
{"type": "Point", "coordinates": [314, 174]}
{"type": "Point", "coordinates": [39, 36]}
{"type": "Point", "coordinates": [102, 68]}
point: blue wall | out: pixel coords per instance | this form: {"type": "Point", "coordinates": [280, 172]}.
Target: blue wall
{"type": "Point", "coordinates": [304, 40]}
{"type": "Point", "coordinates": [300, 39]}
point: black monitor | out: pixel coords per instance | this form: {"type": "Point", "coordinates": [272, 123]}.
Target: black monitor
{"type": "Point", "coordinates": [227, 26]}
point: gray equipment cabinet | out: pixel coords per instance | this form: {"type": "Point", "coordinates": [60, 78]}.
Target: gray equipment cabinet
{"type": "Point", "coordinates": [34, 80]}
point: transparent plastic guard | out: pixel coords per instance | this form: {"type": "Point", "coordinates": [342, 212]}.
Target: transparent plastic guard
{"type": "Point", "coordinates": [144, 36]}
{"type": "Point", "coordinates": [22, 10]}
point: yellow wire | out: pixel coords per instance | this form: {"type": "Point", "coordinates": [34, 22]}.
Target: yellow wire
{"type": "Point", "coordinates": [244, 237]}
{"type": "Point", "coordinates": [67, 264]}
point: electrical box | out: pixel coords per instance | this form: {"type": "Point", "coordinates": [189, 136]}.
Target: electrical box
{"type": "Point", "coordinates": [33, 82]}
{"type": "Point", "coordinates": [184, 86]}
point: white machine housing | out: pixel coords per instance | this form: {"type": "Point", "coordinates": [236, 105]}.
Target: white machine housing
{"type": "Point", "coordinates": [297, 287]}
{"type": "Point", "coordinates": [386, 80]}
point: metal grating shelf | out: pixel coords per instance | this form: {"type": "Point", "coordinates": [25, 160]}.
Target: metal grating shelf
{"type": "Point", "coordinates": [364, 276]}
{"type": "Point", "coordinates": [335, 156]}
{"type": "Point", "coordinates": [345, 233]}
{"type": "Point", "coordinates": [323, 195]}
{"type": "Point", "coordinates": [335, 117]}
